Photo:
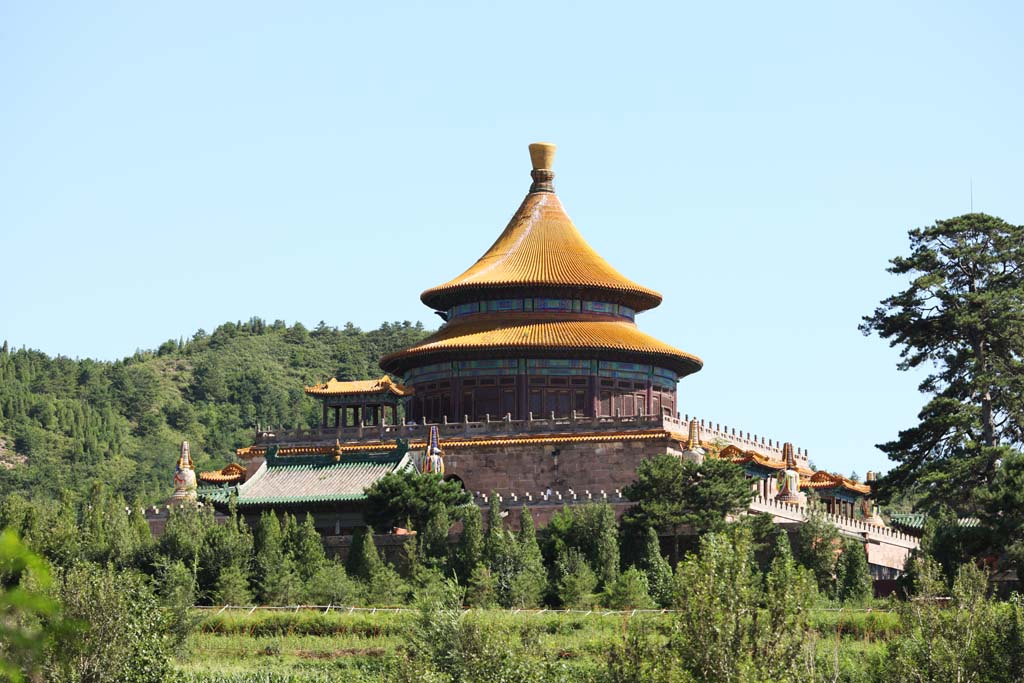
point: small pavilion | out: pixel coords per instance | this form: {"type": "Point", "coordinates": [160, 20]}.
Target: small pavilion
{"type": "Point", "coordinates": [361, 402]}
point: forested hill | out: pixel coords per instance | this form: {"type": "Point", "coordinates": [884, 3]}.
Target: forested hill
{"type": "Point", "coordinates": [64, 422]}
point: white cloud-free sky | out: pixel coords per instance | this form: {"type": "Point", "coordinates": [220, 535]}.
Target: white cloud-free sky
{"type": "Point", "coordinates": [170, 167]}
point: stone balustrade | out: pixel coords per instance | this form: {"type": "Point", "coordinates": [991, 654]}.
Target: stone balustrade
{"type": "Point", "coordinates": [550, 424]}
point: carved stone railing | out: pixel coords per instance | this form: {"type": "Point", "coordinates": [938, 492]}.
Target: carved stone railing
{"type": "Point", "coordinates": [470, 429]}
{"type": "Point", "coordinates": [793, 512]}
{"type": "Point", "coordinates": [550, 424]}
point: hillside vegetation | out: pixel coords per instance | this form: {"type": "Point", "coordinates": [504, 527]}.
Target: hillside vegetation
{"type": "Point", "coordinates": [65, 423]}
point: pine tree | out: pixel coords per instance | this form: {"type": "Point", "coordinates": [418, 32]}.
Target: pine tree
{"type": "Point", "coordinates": [362, 555]}
{"type": "Point", "coordinates": [657, 570]}
{"type": "Point", "coordinates": [575, 582]}
{"type": "Point", "coordinates": [495, 540]}
{"type": "Point", "coordinates": [854, 575]}
{"type": "Point", "coordinates": [434, 540]}
{"type": "Point", "coordinates": [469, 550]}
{"type": "Point", "coordinates": [276, 579]}
{"type": "Point", "coordinates": [530, 581]}
{"type": "Point", "coordinates": [960, 315]}
{"type": "Point", "coordinates": [308, 549]}
{"type": "Point", "coordinates": [817, 545]}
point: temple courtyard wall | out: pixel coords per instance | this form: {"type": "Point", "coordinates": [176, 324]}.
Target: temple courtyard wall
{"type": "Point", "coordinates": [598, 469]}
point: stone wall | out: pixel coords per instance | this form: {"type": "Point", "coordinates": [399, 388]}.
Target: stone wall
{"type": "Point", "coordinates": [532, 468]}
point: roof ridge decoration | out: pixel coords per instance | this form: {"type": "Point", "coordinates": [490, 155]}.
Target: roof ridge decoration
{"type": "Point", "coordinates": [539, 249]}
{"type": "Point", "coordinates": [336, 387]}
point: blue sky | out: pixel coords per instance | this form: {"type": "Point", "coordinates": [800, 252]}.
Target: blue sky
{"type": "Point", "coordinates": [170, 167]}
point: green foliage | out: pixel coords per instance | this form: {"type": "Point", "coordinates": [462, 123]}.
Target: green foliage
{"type": "Point", "coordinates": [657, 570]}
{"type": "Point", "coordinates": [952, 642]}
{"type": "Point", "coordinates": [574, 580]}
{"type": "Point", "coordinates": [671, 494]}
{"type": "Point", "coordinates": [30, 617]}
{"type": "Point", "coordinates": [961, 314]}
{"type": "Point", "coordinates": [331, 585]}
{"type": "Point", "coordinates": [362, 555]}
{"type": "Point", "coordinates": [385, 588]}
{"type": "Point", "coordinates": [401, 496]}
{"type": "Point", "coordinates": [733, 628]}
{"type": "Point", "coordinates": [126, 636]}
{"type": "Point", "coordinates": [434, 537]}
{"type": "Point", "coordinates": [481, 588]}
{"type": "Point", "coordinates": [306, 548]}
{"type": "Point", "coordinates": [853, 575]}
{"type": "Point", "coordinates": [277, 579]}
{"type": "Point", "coordinates": [78, 421]}
{"type": "Point", "coordinates": [1002, 513]}
{"type": "Point", "coordinates": [531, 578]}
{"type": "Point", "coordinates": [628, 591]}
{"type": "Point", "coordinates": [817, 546]}
{"type": "Point", "coordinates": [592, 530]}
{"type": "Point", "coordinates": [469, 549]}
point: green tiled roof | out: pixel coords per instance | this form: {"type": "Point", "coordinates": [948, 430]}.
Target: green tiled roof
{"type": "Point", "coordinates": [277, 483]}
{"type": "Point", "coordinates": [916, 520]}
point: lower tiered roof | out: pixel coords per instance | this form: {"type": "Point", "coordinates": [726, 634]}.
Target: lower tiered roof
{"type": "Point", "coordinates": [299, 480]}
{"type": "Point", "coordinates": [530, 333]}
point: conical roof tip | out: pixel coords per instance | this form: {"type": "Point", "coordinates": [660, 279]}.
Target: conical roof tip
{"type": "Point", "coordinates": [541, 253]}
{"type": "Point", "coordinates": [542, 155]}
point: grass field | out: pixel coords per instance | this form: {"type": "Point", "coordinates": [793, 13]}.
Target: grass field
{"type": "Point", "coordinates": [309, 646]}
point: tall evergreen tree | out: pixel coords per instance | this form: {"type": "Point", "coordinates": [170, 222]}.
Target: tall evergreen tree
{"type": "Point", "coordinates": [854, 576]}
{"type": "Point", "coordinates": [308, 549]}
{"type": "Point", "coordinates": [469, 550]}
{"type": "Point", "coordinates": [363, 559]}
{"type": "Point", "coordinates": [671, 494]}
{"type": "Point", "coordinates": [530, 582]}
{"type": "Point", "coordinates": [962, 315]}
{"type": "Point", "coordinates": [276, 580]}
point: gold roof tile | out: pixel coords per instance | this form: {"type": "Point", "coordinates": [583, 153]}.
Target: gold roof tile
{"type": "Point", "coordinates": [333, 387]}
{"type": "Point", "coordinates": [541, 250]}
{"type": "Point", "coordinates": [529, 332]}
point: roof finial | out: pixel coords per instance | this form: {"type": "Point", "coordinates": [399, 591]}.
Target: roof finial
{"type": "Point", "coordinates": [542, 154]}
{"type": "Point", "coordinates": [787, 455]}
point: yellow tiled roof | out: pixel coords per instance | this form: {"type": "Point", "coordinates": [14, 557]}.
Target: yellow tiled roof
{"type": "Point", "coordinates": [741, 457]}
{"type": "Point", "coordinates": [333, 387]}
{"type": "Point", "coordinates": [228, 475]}
{"type": "Point", "coordinates": [541, 248]}
{"type": "Point", "coordinates": [532, 332]}
{"type": "Point", "coordinates": [826, 480]}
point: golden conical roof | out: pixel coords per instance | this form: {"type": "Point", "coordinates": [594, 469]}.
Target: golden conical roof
{"type": "Point", "coordinates": [532, 335]}
{"type": "Point", "coordinates": [543, 252]}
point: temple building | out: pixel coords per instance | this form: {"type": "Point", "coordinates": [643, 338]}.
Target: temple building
{"type": "Point", "coordinates": [539, 387]}
{"type": "Point", "coordinates": [540, 325]}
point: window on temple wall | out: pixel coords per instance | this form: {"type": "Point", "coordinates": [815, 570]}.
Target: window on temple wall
{"type": "Point", "coordinates": [580, 403]}
{"type": "Point", "coordinates": [467, 404]}
{"type": "Point", "coordinates": [629, 406]}
{"type": "Point", "coordinates": [486, 400]}
{"type": "Point", "coordinates": [656, 407]}
{"type": "Point", "coordinates": [508, 403]}
{"type": "Point", "coordinates": [536, 402]}
{"type": "Point", "coordinates": [606, 403]}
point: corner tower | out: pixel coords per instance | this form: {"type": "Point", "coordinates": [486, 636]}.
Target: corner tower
{"type": "Point", "coordinates": [540, 324]}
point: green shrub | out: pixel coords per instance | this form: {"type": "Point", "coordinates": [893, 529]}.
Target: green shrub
{"type": "Point", "coordinates": [628, 591]}
{"type": "Point", "coordinates": [126, 636]}
{"type": "Point", "coordinates": [331, 585]}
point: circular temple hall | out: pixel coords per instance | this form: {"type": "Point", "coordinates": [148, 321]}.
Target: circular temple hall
{"type": "Point", "coordinates": [541, 324]}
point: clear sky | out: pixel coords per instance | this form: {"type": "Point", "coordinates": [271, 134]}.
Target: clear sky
{"type": "Point", "coordinates": [170, 167]}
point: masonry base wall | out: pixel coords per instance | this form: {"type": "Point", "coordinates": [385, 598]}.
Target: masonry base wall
{"type": "Point", "coordinates": [582, 467]}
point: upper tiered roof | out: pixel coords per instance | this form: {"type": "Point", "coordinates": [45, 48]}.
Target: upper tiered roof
{"type": "Point", "coordinates": [541, 251]}
{"type": "Point", "coordinates": [542, 254]}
